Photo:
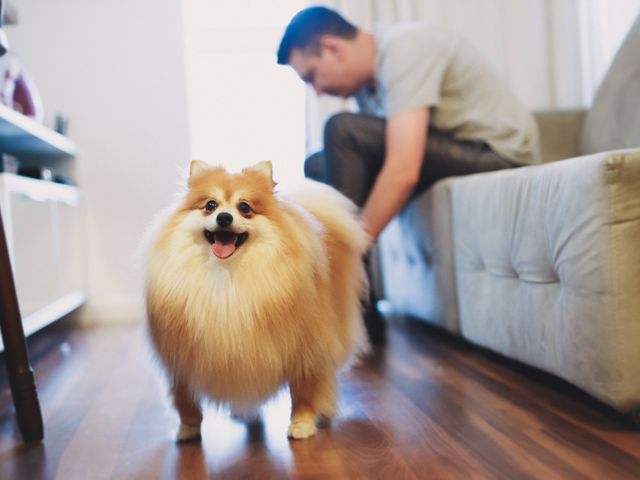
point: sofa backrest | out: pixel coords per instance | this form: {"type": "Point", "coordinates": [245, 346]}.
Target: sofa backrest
{"type": "Point", "coordinates": [560, 132]}
{"type": "Point", "coordinates": [613, 122]}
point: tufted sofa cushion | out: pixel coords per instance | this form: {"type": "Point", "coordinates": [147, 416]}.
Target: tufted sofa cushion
{"type": "Point", "coordinates": [547, 262]}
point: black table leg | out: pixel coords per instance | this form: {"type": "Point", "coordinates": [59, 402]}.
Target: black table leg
{"type": "Point", "coordinates": [23, 388]}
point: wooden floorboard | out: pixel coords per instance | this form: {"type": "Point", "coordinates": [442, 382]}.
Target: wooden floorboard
{"type": "Point", "coordinates": [427, 406]}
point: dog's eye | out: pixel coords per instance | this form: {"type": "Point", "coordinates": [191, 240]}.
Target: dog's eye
{"type": "Point", "coordinates": [210, 206]}
{"type": "Point", "coordinates": [244, 208]}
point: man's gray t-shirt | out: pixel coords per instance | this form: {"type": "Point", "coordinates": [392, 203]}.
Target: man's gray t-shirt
{"type": "Point", "coordinates": [419, 65]}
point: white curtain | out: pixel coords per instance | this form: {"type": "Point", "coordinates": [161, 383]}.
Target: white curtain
{"type": "Point", "coordinates": [552, 53]}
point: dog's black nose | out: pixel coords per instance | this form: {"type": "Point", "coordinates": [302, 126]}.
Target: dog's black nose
{"type": "Point", "coordinates": [224, 219]}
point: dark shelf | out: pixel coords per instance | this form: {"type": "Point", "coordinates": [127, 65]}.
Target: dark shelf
{"type": "Point", "coordinates": [23, 137]}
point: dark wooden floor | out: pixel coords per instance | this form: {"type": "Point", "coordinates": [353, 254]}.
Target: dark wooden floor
{"type": "Point", "coordinates": [427, 406]}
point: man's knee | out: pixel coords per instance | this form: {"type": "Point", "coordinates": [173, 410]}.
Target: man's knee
{"type": "Point", "coordinates": [337, 128]}
{"type": "Point", "coordinates": [314, 167]}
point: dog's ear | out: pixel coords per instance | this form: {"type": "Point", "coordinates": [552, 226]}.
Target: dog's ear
{"type": "Point", "coordinates": [265, 169]}
{"type": "Point", "coordinates": [197, 166]}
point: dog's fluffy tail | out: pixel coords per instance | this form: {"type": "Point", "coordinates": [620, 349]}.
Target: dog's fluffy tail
{"type": "Point", "coordinates": [339, 216]}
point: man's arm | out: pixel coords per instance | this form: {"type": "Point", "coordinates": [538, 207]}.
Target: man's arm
{"type": "Point", "coordinates": [406, 140]}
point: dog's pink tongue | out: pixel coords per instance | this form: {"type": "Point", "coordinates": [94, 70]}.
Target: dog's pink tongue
{"type": "Point", "coordinates": [223, 250]}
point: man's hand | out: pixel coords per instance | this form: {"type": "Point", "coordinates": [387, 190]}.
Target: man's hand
{"type": "Point", "coordinates": [406, 140]}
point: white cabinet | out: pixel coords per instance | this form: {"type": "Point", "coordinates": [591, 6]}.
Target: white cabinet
{"type": "Point", "coordinates": [43, 227]}
{"type": "Point", "coordinates": [32, 245]}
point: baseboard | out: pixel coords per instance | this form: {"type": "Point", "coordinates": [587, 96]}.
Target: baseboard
{"type": "Point", "coordinates": [94, 313]}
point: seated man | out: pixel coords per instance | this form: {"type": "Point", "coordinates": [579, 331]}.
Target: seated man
{"type": "Point", "coordinates": [429, 108]}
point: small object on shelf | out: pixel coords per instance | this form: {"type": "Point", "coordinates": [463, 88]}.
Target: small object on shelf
{"type": "Point", "coordinates": [10, 14]}
{"type": "Point", "coordinates": [61, 124]}
{"type": "Point", "coordinates": [9, 164]}
{"type": "Point", "coordinates": [19, 91]}
{"type": "Point", "coordinates": [40, 172]}
{"type": "Point", "coordinates": [63, 180]}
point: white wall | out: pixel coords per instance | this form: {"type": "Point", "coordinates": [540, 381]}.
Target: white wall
{"type": "Point", "coordinates": [116, 69]}
{"type": "Point", "coordinates": [243, 106]}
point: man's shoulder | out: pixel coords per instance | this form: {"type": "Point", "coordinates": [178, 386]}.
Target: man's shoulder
{"type": "Point", "coordinates": [412, 40]}
{"type": "Point", "coordinates": [412, 31]}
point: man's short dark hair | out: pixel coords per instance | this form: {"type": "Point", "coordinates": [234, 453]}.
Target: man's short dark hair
{"type": "Point", "coordinates": [306, 28]}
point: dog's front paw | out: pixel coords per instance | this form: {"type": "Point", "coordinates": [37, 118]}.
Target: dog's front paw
{"type": "Point", "coordinates": [188, 433]}
{"type": "Point", "coordinates": [301, 429]}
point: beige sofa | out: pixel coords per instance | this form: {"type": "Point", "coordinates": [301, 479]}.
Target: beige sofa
{"type": "Point", "coordinates": [542, 263]}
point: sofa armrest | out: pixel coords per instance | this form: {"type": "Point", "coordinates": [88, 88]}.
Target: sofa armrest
{"type": "Point", "coordinates": [548, 269]}
{"type": "Point", "coordinates": [560, 132]}
{"type": "Point", "coordinates": [417, 259]}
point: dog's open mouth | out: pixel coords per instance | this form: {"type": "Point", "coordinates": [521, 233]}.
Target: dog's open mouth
{"type": "Point", "coordinates": [224, 242]}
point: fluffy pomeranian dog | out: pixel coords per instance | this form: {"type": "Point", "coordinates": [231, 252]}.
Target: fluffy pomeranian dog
{"type": "Point", "coordinates": [249, 291]}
